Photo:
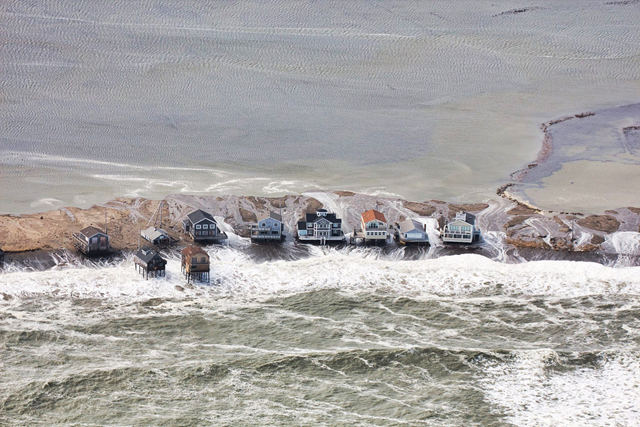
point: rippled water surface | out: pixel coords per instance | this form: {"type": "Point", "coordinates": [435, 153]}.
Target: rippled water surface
{"type": "Point", "coordinates": [438, 99]}
{"type": "Point", "coordinates": [335, 337]}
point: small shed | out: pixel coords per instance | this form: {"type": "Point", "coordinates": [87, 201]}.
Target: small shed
{"type": "Point", "coordinates": [195, 264]}
{"type": "Point", "coordinates": [149, 263]}
{"type": "Point", "coordinates": [156, 236]}
{"type": "Point", "coordinates": [91, 241]}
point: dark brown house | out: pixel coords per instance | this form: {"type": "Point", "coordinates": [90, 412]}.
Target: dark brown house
{"type": "Point", "coordinates": [149, 263]}
{"type": "Point", "coordinates": [195, 264]}
{"type": "Point", "coordinates": [91, 241]}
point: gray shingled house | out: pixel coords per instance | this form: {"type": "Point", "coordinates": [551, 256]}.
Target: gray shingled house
{"type": "Point", "coordinates": [156, 236]}
{"type": "Point", "coordinates": [269, 228]}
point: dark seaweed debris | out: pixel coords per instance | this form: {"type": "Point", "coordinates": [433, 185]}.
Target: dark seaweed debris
{"type": "Point", "coordinates": [517, 11]}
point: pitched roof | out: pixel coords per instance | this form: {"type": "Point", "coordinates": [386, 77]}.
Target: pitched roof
{"type": "Point", "coordinates": [331, 217]}
{"type": "Point", "coordinates": [194, 250]}
{"type": "Point", "coordinates": [270, 214]}
{"type": "Point", "coordinates": [199, 215]}
{"type": "Point", "coordinates": [91, 231]}
{"type": "Point", "coordinates": [465, 217]}
{"type": "Point", "coordinates": [409, 225]}
{"type": "Point", "coordinates": [372, 214]}
{"type": "Point", "coordinates": [153, 233]}
{"type": "Point", "coordinates": [146, 254]}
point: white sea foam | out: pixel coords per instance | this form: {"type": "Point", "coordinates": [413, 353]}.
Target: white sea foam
{"type": "Point", "coordinates": [353, 270]}
{"type": "Point", "coordinates": [46, 202]}
{"type": "Point", "coordinates": [17, 157]}
{"type": "Point", "coordinates": [533, 394]}
{"type": "Point", "coordinates": [623, 242]}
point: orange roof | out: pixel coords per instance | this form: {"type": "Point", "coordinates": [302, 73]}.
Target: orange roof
{"type": "Point", "coordinates": [372, 214]}
{"type": "Point", "coordinates": [193, 250]}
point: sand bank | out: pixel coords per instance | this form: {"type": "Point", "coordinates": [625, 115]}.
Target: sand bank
{"type": "Point", "coordinates": [504, 224]}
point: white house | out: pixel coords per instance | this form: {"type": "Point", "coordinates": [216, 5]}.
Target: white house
{"type": "Point", "coordinates": [321, 227]}
{"type": "Point", "coordinates": [461, 230]}
{"type": "Point", "coordinates": [374, 227]}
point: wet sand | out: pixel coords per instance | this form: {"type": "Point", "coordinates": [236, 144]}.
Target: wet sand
{"type": "Point", "coordinates": [510, 233]}
{"type": "Point", "coordinates": [588, 161]}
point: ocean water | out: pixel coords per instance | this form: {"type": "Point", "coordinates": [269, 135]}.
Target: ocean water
{"type": "Point", "coordinates": [322, 337]}
{"type": "Point", "coordinates": [439, 99]}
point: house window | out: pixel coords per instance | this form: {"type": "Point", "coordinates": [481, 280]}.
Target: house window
{"type": "Point", "coordinates": [205, 226]}
{"type": "Point", "coordinates": [198, 227]}
{"type": "Point", "coordinates": [203, 259]}
{"type": "Point", "coordinates": [264, 224]}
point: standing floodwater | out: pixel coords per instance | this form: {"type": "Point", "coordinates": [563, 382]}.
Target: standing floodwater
{"type": "Point", "coordinates": [340, 337]}
{"type": "Point", "coordinates": [424, 99]}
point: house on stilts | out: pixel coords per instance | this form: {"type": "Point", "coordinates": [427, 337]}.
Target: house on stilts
{"type": "Point", "coordinates": [195, 264]}
{"type": "Point", "coordinates": [149, 263]}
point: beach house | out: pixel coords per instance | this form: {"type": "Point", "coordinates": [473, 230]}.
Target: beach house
{"type": "Point", "coordinates": [201, 226]}
{"type": "Point", "coordinates": [320, 227]}
{"type": "Point", "coordinates": [195, 264]}
{"type": "Point", "coordinates": [91, 241]}
{"type": "Point", "coordinates": [462, 229]}
{"type": "Point", "coordinates": [269, 228]}
{"type": "Point", "coordinates": [410, 232]}
{"type": "Point", "coordinates": [149, 263]}
{"type": "Point", "coordinates": [156, 236]}
{"type": "Point", "coordinates": [374, 227]}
